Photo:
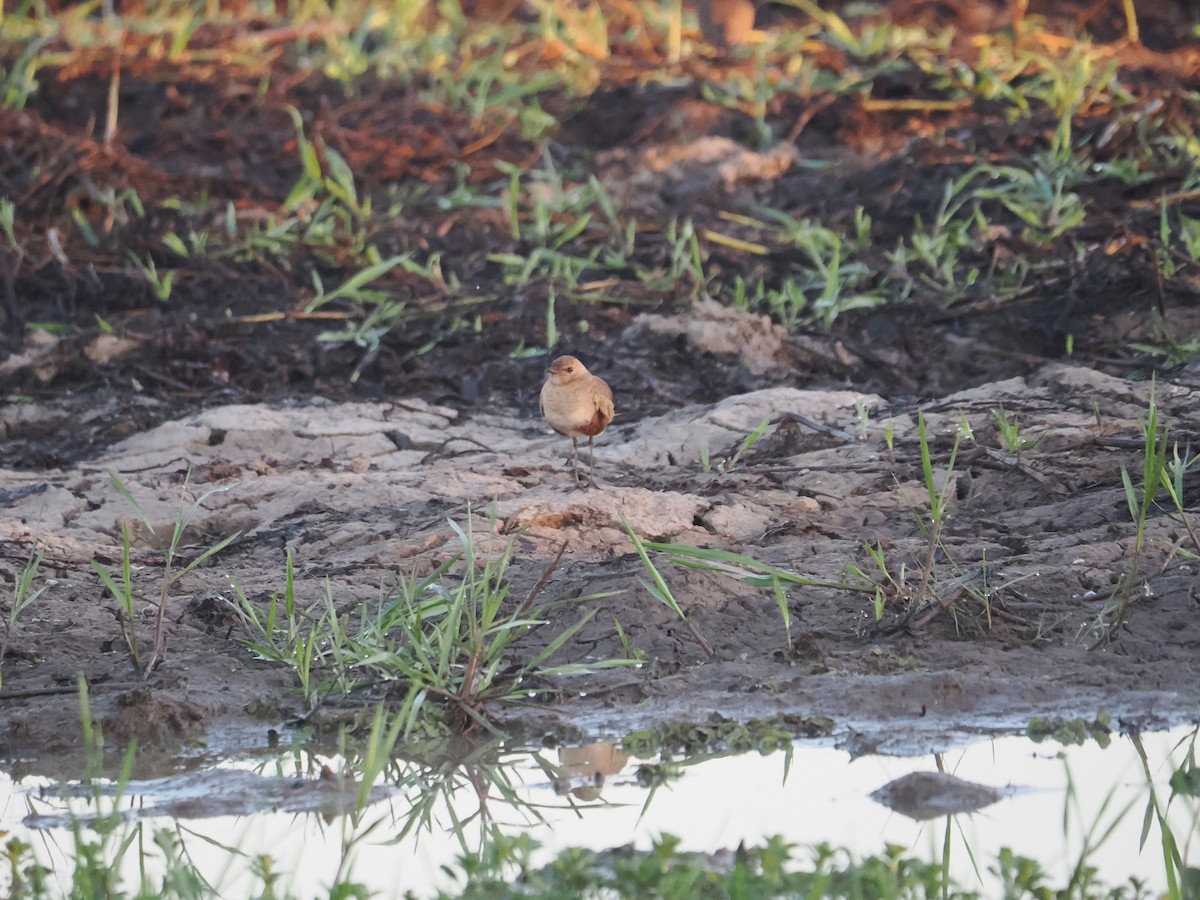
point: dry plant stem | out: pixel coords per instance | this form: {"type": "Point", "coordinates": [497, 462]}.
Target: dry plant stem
{"type": "Point", "coordinates": [1131, 22]}
{"type": "Point", "coordinates": [1018, 16]}
{"type": "Point", "coordinates": [160, 640]}
{"type": "Point", "coordinates": [675, 32]}
{"type": "Point", "coordinates": [818, 427]}
{"type": "Point", "coordinates": [935, 532]}
{"type": "Point", "coordinates": [1160, 297]}
{"type": "Point", "coordinates": [704, 645]}
{"type": "Point", "coordinates": [541, 582]}
{"type": "Point", "coordinates": [131, 646]}
{"type": "Point", "coordinates": [1123, 589]}
{"type": "Point", "coordinates": [114, 92]}
{"type": "Point", "coordinates": [49, 692]}
{"type": "Point", "coordinates": [1001, 613]}
{"type": "Point", "coordinates": [468, 697]}
{"type": "Point", "coordinates": [1191, 531]}
{"type": "Point", "coordinates": [939, 606]}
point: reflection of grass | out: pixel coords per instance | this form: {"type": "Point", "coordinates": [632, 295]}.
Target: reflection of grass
{"type": "Point", "coordinates": [1071, 731]}
{"type": "Point", "coordinates": [718, 735]}
{"type": "Point", "coordinates": [476, 794]}
{"type": "Point", "coordinates": [1182, 880]}
{"type": "Point", "coordinates": [104, 849]}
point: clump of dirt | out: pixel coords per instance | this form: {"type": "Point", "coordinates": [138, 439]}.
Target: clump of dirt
{"type": "Point", "coordinates": [153, 719]}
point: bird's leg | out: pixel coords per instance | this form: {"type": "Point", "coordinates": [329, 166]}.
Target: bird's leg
{"type": "Point", "coordinates": [575, 458]}
{"type": "Point", "coordinates": [592, 460]}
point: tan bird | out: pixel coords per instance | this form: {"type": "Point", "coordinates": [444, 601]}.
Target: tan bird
{"type": "Point", "coordinates": [576, 404]}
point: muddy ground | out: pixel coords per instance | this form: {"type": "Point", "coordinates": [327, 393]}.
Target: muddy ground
{"type": "Point", "coordinates": [359, 461]}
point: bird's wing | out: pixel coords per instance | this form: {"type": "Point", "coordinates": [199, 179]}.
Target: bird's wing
{"type": "Point", "coordinates": [604, 400]}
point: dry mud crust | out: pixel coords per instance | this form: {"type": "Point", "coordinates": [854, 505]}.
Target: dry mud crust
{"type": "Point", "coordinates": [362, 491]}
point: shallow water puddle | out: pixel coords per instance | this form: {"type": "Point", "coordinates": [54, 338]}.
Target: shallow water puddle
{"type": "Point", "coordinates": [1048, 802]}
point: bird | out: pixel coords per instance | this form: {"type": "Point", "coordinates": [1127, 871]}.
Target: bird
{"type": "Point", "coordinates": [576, 404]}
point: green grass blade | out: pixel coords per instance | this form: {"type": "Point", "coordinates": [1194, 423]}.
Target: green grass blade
{"type": "Point", "coordinates": [559, 640]}
{"type": "Point", "coordinates": [210, 552]}
{"type": "Point", "coordinates": [659, 590]}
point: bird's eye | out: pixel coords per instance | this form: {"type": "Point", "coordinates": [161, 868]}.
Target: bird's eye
{"type": "Point", "coordinates": [570, 369]}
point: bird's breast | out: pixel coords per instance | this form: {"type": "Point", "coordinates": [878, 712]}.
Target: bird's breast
{"type": "Point", "coordinates": [573, 410]}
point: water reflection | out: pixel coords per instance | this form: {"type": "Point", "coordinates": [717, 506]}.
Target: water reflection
{"type": "Point", "coordinates": [583, 769]}
{"type": "Point", "coordinates": [206, 794]}
{"type": "Point", "coordinates": [436, 816]}
{"type": "Point", "coordinates": [928, 795]}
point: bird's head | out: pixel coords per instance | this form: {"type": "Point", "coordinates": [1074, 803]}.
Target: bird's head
{"type": "Point", "coordinates": [566, 369]}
